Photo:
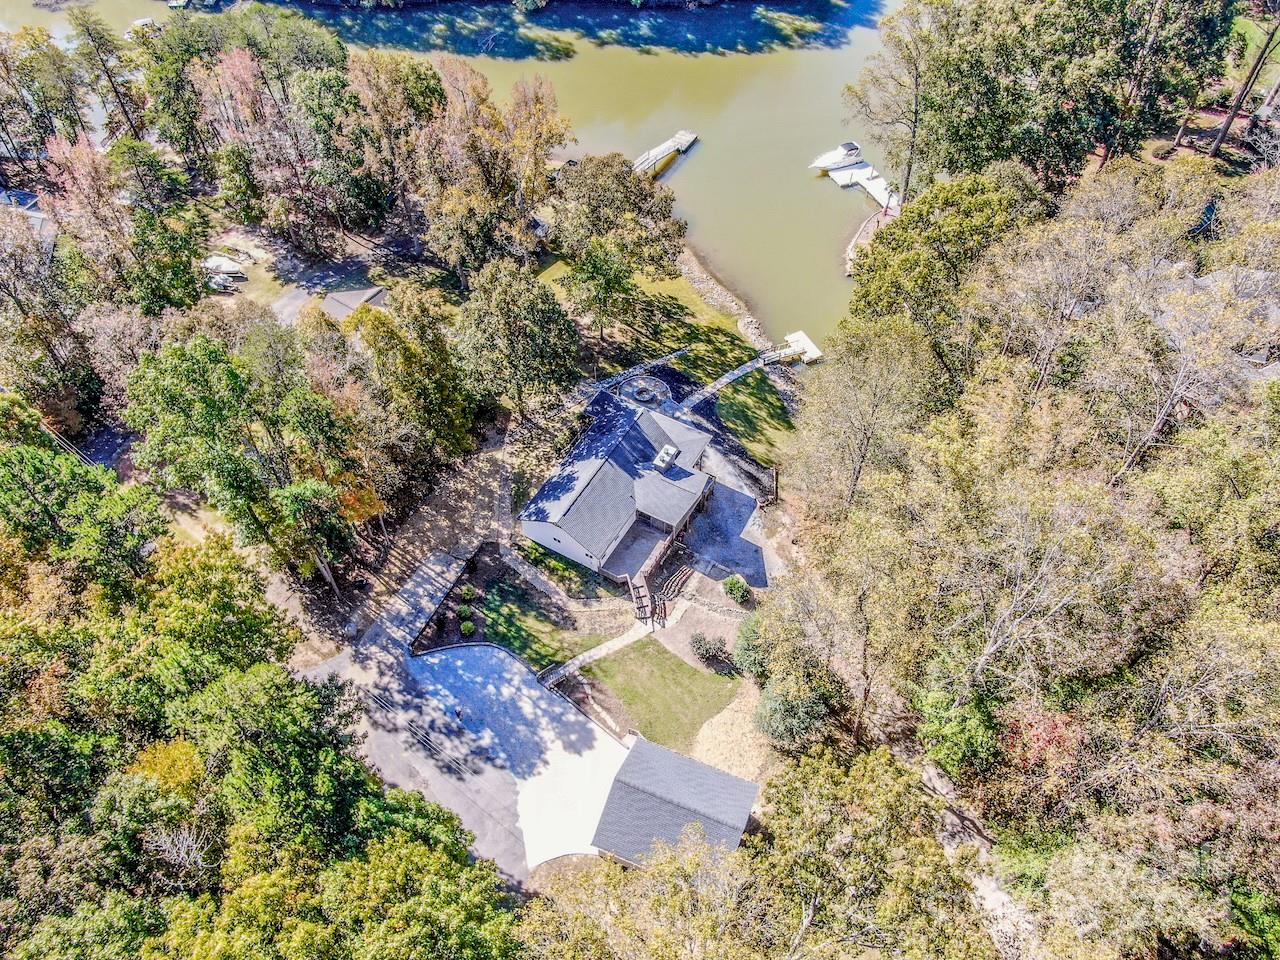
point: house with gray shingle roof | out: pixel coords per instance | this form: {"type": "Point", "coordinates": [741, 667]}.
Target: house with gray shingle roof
{"type": "Point", "coordinates": [624, 492]}
{"type": "Point", "coordinates": [657, 794]}
{"type": "Point", "coordinates": [340, 304]}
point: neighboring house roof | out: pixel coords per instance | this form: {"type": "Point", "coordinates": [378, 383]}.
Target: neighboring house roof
{"type": "Point", "coordinates": [342, 303]}
{"type": "Point", "coordinates": [46, 229]}
{"type": "Point", "coordinates": [609, 474]}
{"type": "Point", "coordinates": [658, 793]}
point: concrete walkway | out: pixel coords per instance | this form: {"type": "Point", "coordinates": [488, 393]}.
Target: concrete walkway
{"type": "Point", "coordinates": [716, 386]}
{"type": "Point", "coordinates": [638, 631]}
{"type": "Point", "coordinates": [406, 614]}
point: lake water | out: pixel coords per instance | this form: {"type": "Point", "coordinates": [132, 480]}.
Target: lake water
{"type": "Point", "coordinates": [760, 85]}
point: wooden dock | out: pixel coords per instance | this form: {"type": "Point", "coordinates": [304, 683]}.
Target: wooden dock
{"type": "Point", "coordinates": [655, 160]}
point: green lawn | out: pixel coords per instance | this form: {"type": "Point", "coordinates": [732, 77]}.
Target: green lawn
{"type": "Point", "coordinates": [513, 617]}
{"type": "Point", "coordinates": [667, 699]}
{"type": "Point", "coordinates": [675, 317]}
{"type": "Point", "coordinates": [1254, 33]}
{"type": "Point", "coordinates": [576, 580]}
{"type": "Point", "coordinates": [754, 411]}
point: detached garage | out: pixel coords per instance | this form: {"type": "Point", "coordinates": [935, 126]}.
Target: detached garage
{"type": "Point", "coordinates": [657, 793]}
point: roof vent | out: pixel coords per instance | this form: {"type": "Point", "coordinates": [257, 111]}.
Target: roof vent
{"type": "Point", "coordinates": [664, 457]}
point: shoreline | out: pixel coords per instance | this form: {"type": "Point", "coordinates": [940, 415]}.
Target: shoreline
{"type": "Point", "coordinates": [714, 291]}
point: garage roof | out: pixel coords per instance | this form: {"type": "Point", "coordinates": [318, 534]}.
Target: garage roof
{"type": "Point", "coordinates": [657, 793]}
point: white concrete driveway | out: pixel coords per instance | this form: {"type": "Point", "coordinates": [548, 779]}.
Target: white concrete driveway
{"type": "Point", "coordinates": [473, 729]}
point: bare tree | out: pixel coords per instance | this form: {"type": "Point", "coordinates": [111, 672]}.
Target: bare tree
{"type": "Point", "coordinates": [1269, 45]}
{"type": "Point", "coordinates": [889, 94]}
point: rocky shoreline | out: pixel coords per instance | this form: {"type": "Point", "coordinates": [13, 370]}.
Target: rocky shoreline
{"type": "Point", "coordinates": [712, 290]}
{"type": "Point", "coordinates": [722, 298]}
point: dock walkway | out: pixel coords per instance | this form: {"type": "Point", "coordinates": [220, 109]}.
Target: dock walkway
{"type": "Point", "coordinates": [798, 347]}
{"type": "Point", "coordinates": [867, 177]}
{"type": "Point", "coordinates": [652, 161]}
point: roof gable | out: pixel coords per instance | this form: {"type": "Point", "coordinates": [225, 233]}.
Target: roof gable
{"type": "Point", "coordinates": [609, 474]}
{"type": "Point", "coordinates": [658, 793]}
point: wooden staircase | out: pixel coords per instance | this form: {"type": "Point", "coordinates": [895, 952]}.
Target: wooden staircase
{"type": "Point", "coordinates": [640, 597]}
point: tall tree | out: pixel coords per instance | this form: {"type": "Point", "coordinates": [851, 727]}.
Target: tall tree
{"type": "Point", "coordinates": [103, 56]}
{"type": "Point", "coordinates": [613, 225]}
{"type": "Point", "coordinates": [515, 336]}
{"type": "Point", "coordinates": [890, 93]}
{"type": "Point", "coordinates": [483, 169]}
{"type": "Point", "coordinates": [1266, 50]}
{"type": "Point", "coordinates": [414, 371]}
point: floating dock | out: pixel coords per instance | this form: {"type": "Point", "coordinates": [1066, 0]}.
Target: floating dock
{"type": "Point", "coordinates": [867, 177]}
{"type": "Point", "coordinates": [800, 344]}
{"type": "Point", "coordinates": [653, 161]}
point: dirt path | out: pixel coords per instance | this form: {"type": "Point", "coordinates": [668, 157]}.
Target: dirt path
{"type": "Point", "coordinates": [1009, 923]}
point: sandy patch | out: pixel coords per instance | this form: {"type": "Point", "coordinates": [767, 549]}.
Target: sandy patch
{"type": "Point", "coordinates": [729, 741]}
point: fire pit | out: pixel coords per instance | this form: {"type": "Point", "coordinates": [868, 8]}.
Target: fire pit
{"type": "Point", "coordinates": [646, 391]}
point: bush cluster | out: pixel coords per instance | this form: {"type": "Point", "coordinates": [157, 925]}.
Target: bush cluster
{"type": "Point", "coordinates": [709, 649]}
{"type": "Point", "coordinates": [737, 590]}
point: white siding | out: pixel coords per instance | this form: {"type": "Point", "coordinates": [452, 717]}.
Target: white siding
{"type": "Point", "coordinates": [553, 538]}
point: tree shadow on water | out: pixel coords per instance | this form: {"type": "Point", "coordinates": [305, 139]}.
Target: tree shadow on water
{"type": "Point", "coordinates": [498, 29]}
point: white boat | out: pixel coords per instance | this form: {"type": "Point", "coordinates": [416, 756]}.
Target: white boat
{"type": "Point", "coordinates": [140, 26]}
{"type": "Point", "coordinates": [223, 265]}
{"type": "Point", "coordinates": [844, 155]}
{"type": "Point", "coordinates": [177, 4]}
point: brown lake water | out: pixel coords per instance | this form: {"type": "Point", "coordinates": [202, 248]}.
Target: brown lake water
{"type": "Point", "coordinates": [761, 86]}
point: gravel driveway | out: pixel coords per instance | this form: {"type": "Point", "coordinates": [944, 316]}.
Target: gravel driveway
{"type": "Point", "coordinates": [473, 729]}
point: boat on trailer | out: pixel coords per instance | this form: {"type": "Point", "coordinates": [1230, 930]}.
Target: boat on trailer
{"type": "Point", "coordinates": [845, 155]}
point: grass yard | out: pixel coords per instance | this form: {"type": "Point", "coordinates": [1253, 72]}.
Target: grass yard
{"type": "Point", "coordinates": [511, 616]}
{"type": "Point", "coordinates": [752, 409]}
{"type": "Point", "coordinates": [667, 700]}
{"type": "Point", "coordinates": [1254, 33]}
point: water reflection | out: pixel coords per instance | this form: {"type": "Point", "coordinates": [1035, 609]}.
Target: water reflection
{"type": "Point", "coordinates": [760, 84]}
{"type": "Point", "coordinates": [500, 30]}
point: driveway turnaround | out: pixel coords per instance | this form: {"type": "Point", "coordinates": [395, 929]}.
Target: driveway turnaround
{"type": "Point", "coordinates": [473, 729]}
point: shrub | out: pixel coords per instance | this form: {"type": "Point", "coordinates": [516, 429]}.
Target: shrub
{"type": "Point", "coordinates": [737, 589]}
{"type": "Point", "coordinates": [959, 739]}
{"type": "Point", "coordinates": [749, 656]}
{"type": "Point", "coordinates": [464, 612]}
{"type": "Point", "coordinates": [708, 649]}
{"type": "Point", "coordinates": [467, 628]}
{"type": "Point", "coordinates": [468, 592]}
{"type": "Point", "coordinates": [791, 714]}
